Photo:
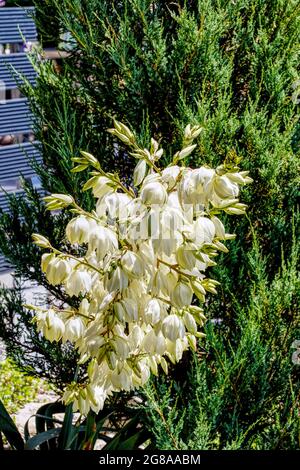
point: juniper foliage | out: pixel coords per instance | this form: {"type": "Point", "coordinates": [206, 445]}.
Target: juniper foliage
{"type": "Point", "coordinates": [243, 389]}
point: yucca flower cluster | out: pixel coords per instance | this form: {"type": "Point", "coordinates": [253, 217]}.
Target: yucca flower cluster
{"type": "Point", "coordinates": [144, 252]}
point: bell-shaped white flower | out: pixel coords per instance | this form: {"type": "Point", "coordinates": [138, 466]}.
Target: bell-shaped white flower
{"type": "Point", "coordinates": [147, 254]}
{"type": "Point", "coordinates": [182, 295]}
{"type": "Point", "coordinates": [118, 280]}
{"type": "Point", "coordinates": [185, 255]}
{"type": "Point", "coordinates": [173, 327]}
{"type": "Point", "coordinates": [96, 396]}
{"type": "Point", "coordinates": [160, 346]}
{"type": "Point", "coordinates": [119, 311]}
{"type": "Point", "coordinates": [57, 271]}
{"type": "Point", "coordinates": [144, 371]}
{"type": "Point", "coordinates": [102, 186]}
{"type": "Point", "coordinates": [195, 186]}
{"type": "Point", "coordinates": [154, 193]}
{"type": "Point", "coordinates": [132, 264]}
{"type": "Point", "coordinates": [114, 205]}
{"type": "Point", "coordinates": [51, 325]}
{"type": "Point", "coordinates": [170, 175]}
{"type": "Point", "coordinates": [79, 282]}
{"type": "Point", "coordinates": [175, 350]}
{"type": "Point", "coordinates": [219, 228]}
{"type": "Point", "coordinates": [204, 230]}
{"type": "Point", "coordinates": [122, 380]}
{"type": "Point", "coordinates": [149, 342]}
{"type": "Point", "coordinates": [225, 188]}
{"type": "Point", "coordinates": [74, 329]}
{"type": "Point", "coordinates": [103, 241]}
{"type": "Point", "coordinates": [131, 309]}
{"type": "Point", "coordinates": [166, 281]}
{"type": "Point", "coordinates": [152, 312]}
{"type": "Point", "coordinates": [203, 180]}
{"type": "Point", "coordinates": [136, 337]}
{"type": "Point", "coordinates": [94, 345]}
{"type": "Point", "coordinates": [78, 229]}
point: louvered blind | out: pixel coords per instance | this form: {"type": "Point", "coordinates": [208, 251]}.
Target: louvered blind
{"type": "Point", "coordinates": [15, 117]}
{"type": "Point", "coordinates": [16, 24]}
{"type": "Point", "coordinates": [13, 64]}
{"type": "Point", "coordinates": [15, 160]}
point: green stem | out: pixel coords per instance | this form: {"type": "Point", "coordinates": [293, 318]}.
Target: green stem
{"type": "Point", "coordinates": [84, 263]}
{"type": "Point", "coordinates": [174, 268]}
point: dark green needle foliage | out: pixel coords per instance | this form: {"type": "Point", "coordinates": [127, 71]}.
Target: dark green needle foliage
{"type": "Point", "coordinates": [242, 390]}
{"type": "Point", "coordinates": [232, 67]}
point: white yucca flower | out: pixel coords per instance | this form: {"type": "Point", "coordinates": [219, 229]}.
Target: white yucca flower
{"type": "Point", "coordinates": [78, 229]}
{"type": "Point", "coordinates": [152, 312]}
{"type": "Point", "coordinates": [144, 253]}
{"type": "Point", "coordinates": [182, 295]}
{"type": "Point", "coordinates": [154, 193]}
{"type": "Point", "coordinates": [102, 240]}
{"type": "Point", "coordinates": [224, 187]}
{"type": "Point", "coordinates": [173, 327]}
{"type": "Point", "coordinates": [51, 325]}
{"type": "Point", "coordinates": [74, 329]}
{"type": "Point", "coordinates": [132, 264]}
{"type": "Point", "coordinates": [79, 282]}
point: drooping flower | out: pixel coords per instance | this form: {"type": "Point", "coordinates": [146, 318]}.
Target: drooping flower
{"type": "Point", "coordinates": [153, 193]}
{"type": "Point", "coordinates": [79, 282]}
{"type": "Point", "coordinates": [142, 259]}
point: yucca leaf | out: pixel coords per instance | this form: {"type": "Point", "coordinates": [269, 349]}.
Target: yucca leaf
{"type": "Point", "coordinates": [41, 438]}
{"type": "Point", "coordinates": [67, 429]}
{"type": "Point", "coordinates": [9, 429]}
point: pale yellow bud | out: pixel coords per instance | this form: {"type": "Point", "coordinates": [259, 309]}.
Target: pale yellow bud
{"type": "Point", "coordinates": [186, 151]}
{"type": "Point", "coordinates": [41, 241]}
{"type": "Point", "coordinates": [164, 365]}
{"type": "Point", "coordinates": [139, 172]}
{"type": "Point", "coordinates": [189, 322]}
{"type": "Point", "coordinates": [198, 289]}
